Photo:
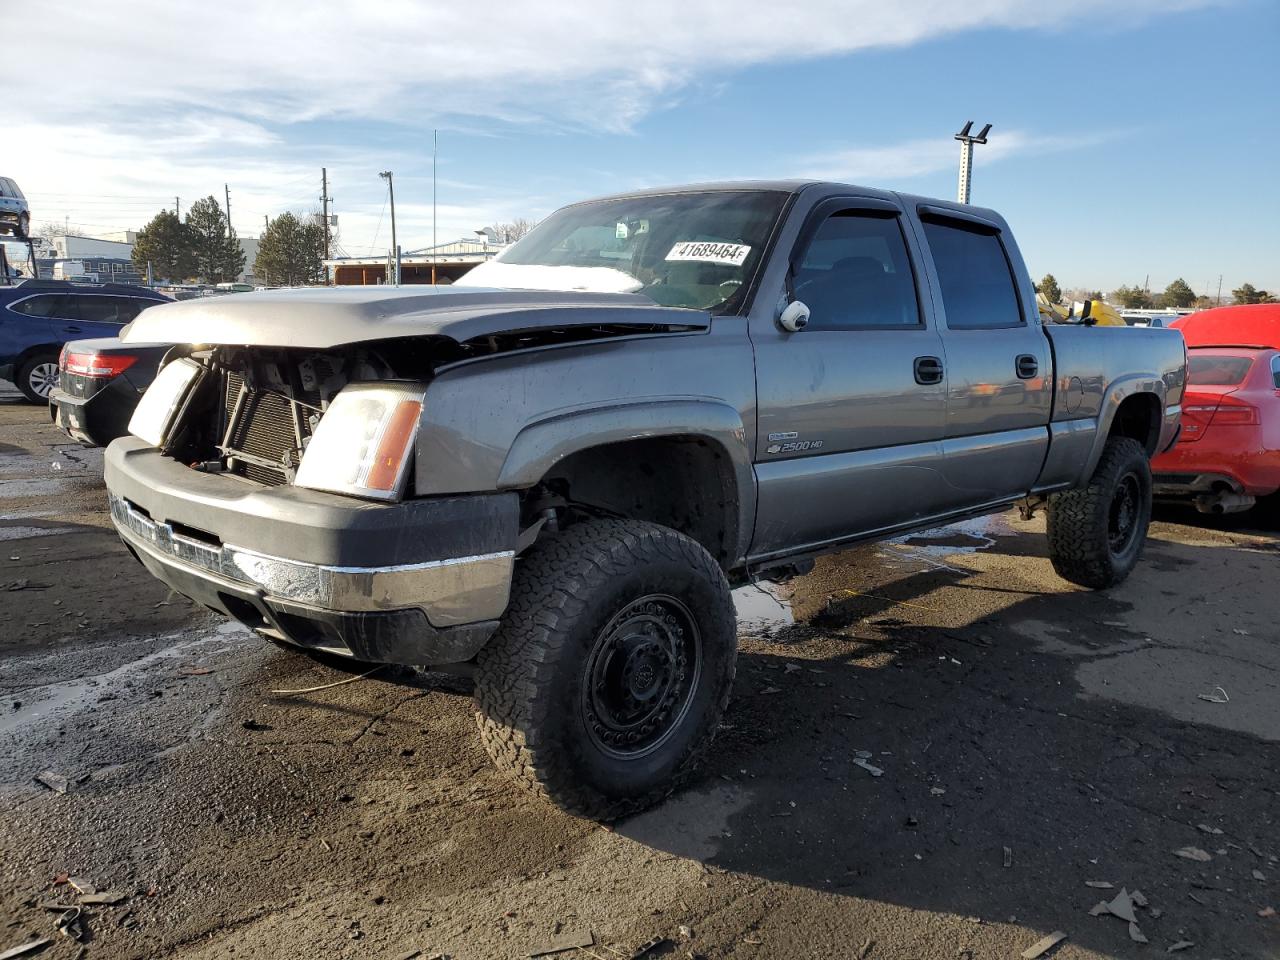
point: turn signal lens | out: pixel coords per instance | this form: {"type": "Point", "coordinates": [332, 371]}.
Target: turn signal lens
{"type": "Point", "coordinates": [364, 443]}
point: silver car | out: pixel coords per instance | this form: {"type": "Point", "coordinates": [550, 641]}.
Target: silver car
{"type": "Point", "coordinates": [15, 215]}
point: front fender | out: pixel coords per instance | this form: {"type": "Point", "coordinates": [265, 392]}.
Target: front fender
{"type": "Point", "coordinates": [541, 445]}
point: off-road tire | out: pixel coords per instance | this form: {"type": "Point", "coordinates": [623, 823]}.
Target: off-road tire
{"type": "Point", "coordinates": [25, 371]}
{"type": "Point", "coordinates": [569, 590]}
{"type": "Point", "coordinates": [1081, 523]}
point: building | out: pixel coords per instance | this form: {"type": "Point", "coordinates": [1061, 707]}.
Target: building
{"type": "Point", "coordinates": [449, 261]}
{"type": "Point", "coordinates": [94, 270]}
{"type": "Point", "coordinates": [72, 247]}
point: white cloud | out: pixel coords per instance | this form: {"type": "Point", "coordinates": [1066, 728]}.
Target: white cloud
{"type": "Point", "coordinates": [201, 94]}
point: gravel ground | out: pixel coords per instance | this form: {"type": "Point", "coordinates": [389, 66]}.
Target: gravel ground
{"type": "Point", "coordinates": [1030, 738]}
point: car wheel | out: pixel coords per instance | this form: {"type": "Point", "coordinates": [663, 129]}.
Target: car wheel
{"type": "Point", "coordinates": [37, 376]}
{"type": "Point", "coordinates": [24, 226]}
{"type": "Point", "coordinates": [1097, 532]}
{"type": "Point", "coordinates": [606, 682]}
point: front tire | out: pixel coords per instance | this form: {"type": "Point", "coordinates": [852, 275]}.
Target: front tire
{"type": "Point", "coordinates": [606, 682]}
{"type": "Point", "coordinates": [1097, 532]}
{"type": "Point", "coordinates": [37, 376]}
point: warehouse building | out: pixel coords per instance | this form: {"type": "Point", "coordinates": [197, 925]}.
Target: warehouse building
{"type": "Point", "coordinates": [445, 262]}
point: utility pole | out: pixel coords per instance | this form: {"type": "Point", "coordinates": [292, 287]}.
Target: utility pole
{"type": "Point", "coordinates": [967, 140]}
{"type": "Point", "coordinates": [177, 209]}
{"type": "Point", "coordinates": [395, 247]}
{"type": "Point", "coordinates": [435, 149]}
{"type": "Point", "coordinates": [227, 189]}
{"type": "Point", "coordinates": [324, 207]}
{"type": "Point", "coordinates": [1218, 301]}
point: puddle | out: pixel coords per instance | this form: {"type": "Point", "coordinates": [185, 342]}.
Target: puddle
{"type": "Point", "coordinates": [762, 607]}
{"type": "Point", "coordinates": [17, 489]}
{"type": "Point", "coordinates": [24, 533]}
{"type": "Point", "coordinates": [70, 696]}
{"type": "Point", "coordinates": [967, 536]}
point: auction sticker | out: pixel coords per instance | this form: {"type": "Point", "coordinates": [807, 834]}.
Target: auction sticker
{"type": "Point", "coordinates": [704, 252]}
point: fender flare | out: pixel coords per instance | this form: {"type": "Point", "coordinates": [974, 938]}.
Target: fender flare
{"type": "Point", "coordinates": [540, 445]}
{"type": "Point", "coordinates": [1118, 391]}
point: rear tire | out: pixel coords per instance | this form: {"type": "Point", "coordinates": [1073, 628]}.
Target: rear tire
{"type": "Point", "coordinates": [23, 230]}
{"type": "Point", "coordinates": [606, 682]}
{"type": "Point", "coordinates": [1097, 532]}
{"type": "Point", "coordinates": [37, 376]}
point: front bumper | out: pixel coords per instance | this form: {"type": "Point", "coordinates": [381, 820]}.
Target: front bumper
{"type": "Point", "coordinates": [419, 582]}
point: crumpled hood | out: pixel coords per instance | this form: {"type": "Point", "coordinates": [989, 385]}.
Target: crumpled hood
{"type": "Point", "coordinates": [323, 317]}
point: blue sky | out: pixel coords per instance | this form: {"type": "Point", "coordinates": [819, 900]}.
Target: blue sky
{"type": "Point", "coordinates": [1130, 138]}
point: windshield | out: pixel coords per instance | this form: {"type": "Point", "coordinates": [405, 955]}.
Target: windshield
{"type": "Point", "coordinates": [697, 250]}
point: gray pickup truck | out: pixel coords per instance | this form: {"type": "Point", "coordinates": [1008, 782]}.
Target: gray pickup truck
{"type": "Point", "coordinates": [550, 474]}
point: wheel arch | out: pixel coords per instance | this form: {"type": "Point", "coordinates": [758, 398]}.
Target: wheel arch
{"type": "Point", "coordinates": [649, 461]}
{"type": "Point", "coordinates": [1132, 407]}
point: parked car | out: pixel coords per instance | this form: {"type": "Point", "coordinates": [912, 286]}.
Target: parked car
{"type": "Point", "coordinates": [99, 385]}
{"type": "Point", "coordinates": [15, 215]}
{"type": "Point", "coordinates": [552, 472]}
{"type": "Point", "coordinates": [1228, 456]}
{"type": "Point", "coordinates": [38, 316]}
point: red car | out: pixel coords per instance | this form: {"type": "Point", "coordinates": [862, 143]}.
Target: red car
{"type": "Point", "coordinates": [1228, 455]}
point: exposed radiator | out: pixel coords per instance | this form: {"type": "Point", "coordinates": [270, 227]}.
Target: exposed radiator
{"type": "Point", "coordinates": [263, 432]}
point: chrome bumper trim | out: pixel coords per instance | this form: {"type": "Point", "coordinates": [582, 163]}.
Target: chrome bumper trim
{"type": "Point", "coordinates": [450, 592]}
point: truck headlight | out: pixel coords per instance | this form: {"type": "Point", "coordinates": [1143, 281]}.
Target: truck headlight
{"type": "Point", "coordinates": [154, 414]}
{"type": "Point", "coordinates": [364, 442]}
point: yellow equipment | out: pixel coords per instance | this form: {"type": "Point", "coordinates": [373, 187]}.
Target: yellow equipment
{"type": "Point", "coordinates": [1091, 313]}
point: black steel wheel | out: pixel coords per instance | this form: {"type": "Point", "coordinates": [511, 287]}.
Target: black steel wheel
{"type": "Point", "coordinates": [607, 679]}
{"type": "Point", "coordinates": [1096, 532]}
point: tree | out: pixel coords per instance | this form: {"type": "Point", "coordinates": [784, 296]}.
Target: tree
{"type": "Point", "coordinates": [165, 243]}
{"type": "Point", "coordinates": [1049, 287]}
{"type": "Point", "coordinates": [216, 249]}
{"type": "Point", "coordinates": [511, 232]}
{"type": "Point", "coordinates": [291, 251]}
{"type": "Point", "coordinates": [1179, 294]}
{"type": "Point", "coordinates": [1246, 293]}
{"type": "Point", "coordinates": [1132, 298]}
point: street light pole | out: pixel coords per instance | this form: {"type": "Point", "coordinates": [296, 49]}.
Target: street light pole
{"type": "Point", "coordinates": [386, 175]}
{"type": "Point", "coordinates": [967, 140]}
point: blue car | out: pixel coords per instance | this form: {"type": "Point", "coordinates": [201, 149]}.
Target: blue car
{"type": "Point", "coordinates": [38, 316]}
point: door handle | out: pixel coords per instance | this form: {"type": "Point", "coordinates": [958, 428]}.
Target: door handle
{"type": "Point", "coordinates": [74, 330]}
{"type": "Point", "coordinates": [1027, 365]}
{"type": "Point", "coordinates": [928, 370]}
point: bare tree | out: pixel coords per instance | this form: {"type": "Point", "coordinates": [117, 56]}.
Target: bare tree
{"type": "Point", "coordinates": [512, 231]}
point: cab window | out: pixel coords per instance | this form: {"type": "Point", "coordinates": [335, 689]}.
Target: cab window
{"type": "Point", "coordinates": [978, 290]}
{"type": "Point", "coordinates": [856, 274]}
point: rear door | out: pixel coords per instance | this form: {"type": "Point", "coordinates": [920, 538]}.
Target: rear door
{"type": "Point", "coordinates": [852, 408]}
{"type": "Point", "coordinates": [999, 363]}
{"type": "Point", "coordinates": [50, 318]}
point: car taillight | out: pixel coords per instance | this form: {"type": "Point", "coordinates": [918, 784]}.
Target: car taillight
{"type": "Point", "coordinates": [1233, 412]}
{"type": "Point", "coordinates": [102, 366]}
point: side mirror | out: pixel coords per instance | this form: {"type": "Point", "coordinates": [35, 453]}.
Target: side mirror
{"type": "Point", "coordinates": [795, 317]}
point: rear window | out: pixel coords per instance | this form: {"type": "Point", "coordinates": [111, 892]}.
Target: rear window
{"type": "Point", "coordinates": [1216, 370]}
{"type": "Point", "coordinates": [978, 291]}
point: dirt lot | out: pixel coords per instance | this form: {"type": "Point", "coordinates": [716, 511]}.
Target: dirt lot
{"type": "Point", "coordinates": [1031, 738]}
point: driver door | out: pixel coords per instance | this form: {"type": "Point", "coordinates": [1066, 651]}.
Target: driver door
{"type": "Point", "coordinates": [852, 409]}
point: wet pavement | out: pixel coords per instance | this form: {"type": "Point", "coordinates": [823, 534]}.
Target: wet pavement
{"type": "Point", "coordinates": [936, 749]}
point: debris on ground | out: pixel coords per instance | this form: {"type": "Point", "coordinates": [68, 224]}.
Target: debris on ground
{"type": "Point", "coordinates": [649, 946]}
{"type": "Point", "coordinates": [1136, 934]}
{"type": "Point", "coordinates": [1218, 696]}
{"type": "Point", "coordinates": [54, 781]}
{"type": "Point", "coordinates": [1121, 906]}
{"type": "Point", "coordinates": [17, 585]}
{"type": "Point", "coordinates": [72, 924]}
{"type": "Point", "coordinates": [568, 940]}
{"type": "Point", "coordinates": [936, 791]}
{"type": "Point", "coordinates": [1043, 946]}
{"type": "Point", "coordinates": [1259, 876]}
{"type": "Point", "coordinates": [82, 886]}
{"type": "Point", "coordinates": [1205, 828]}
{"type": "Point", "coordinates": [686, 932]}
{"type": "Point", "coordinates": [1100, 884]}
{"type": "Point", "coordinates": [22, 950]}
{"type": "Point", "coordinates": [327, 686]}
{"type": "Point", "coordinates": [1008, 856]}
{"type": "Point", "coordinates": [108, 899]}
{"type": "Point", "coordinates": [1180, 945]}
{"type": "Point", "coordinates": [1193, 853]}
{"type": "Point", "coordinates": [1266, 913]}
{"type": "Point", "coordinates": [195, 671]}
{"type": "Point", "coordinates": [252, 724]}
{"type": "Point", "coordinates": [870, 768]}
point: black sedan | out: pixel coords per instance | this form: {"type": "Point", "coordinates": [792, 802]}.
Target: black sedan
{"type": "Point", "coordinates": [99, 384]}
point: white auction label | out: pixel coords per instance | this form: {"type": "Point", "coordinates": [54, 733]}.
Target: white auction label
{"type": "Point", "coordinates": [704, 251]}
